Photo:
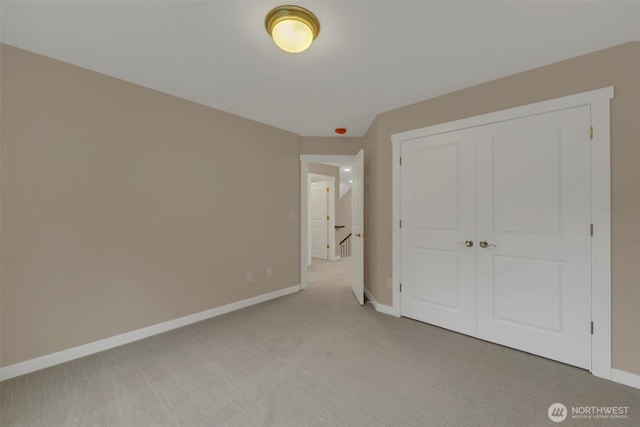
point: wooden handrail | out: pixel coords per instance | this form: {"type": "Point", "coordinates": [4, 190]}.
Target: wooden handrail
{"type": "Point", "coordinates": [345, 247]}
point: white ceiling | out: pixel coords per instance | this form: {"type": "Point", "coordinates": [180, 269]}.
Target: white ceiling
{"type": "Point", "coordinates": [370, 56]}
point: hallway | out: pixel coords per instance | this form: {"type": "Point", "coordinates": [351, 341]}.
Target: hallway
{"type": "Point", "coordinates": [324, 273]}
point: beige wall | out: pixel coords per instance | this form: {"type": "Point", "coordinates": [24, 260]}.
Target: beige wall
{"type": "Point", "coordinates": [121, 198]}
{"type": "Point", "coordinates": [123, 207]}
{"type": "Point", "coordinates": [1, 184]}
{"type": "Point", "coordinates": [618, 66]}
{"type": "Point", "coordinates": [332, 145]}
{"type": "Point", "coordinates": [326, 170]}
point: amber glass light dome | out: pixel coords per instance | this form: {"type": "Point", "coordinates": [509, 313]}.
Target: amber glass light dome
{"type": "Point", "coordinates": [292, 28]}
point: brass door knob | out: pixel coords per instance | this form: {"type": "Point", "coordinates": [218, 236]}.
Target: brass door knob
{"type": "Point", "coordinates": [357, 234]}
{"type": "Point", "coordinates": [467, 243]}
{"type": "Point", "coordinates": [484, 244]}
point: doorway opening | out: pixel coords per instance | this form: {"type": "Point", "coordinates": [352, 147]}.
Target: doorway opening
{"type": "Point", "coordinates": [329, 222]}
{"type": "Point", "coordinates": [331, 218]}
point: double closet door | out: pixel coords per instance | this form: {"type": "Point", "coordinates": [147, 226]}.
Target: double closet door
{"type": "Point", "coordinates": [495, 237]}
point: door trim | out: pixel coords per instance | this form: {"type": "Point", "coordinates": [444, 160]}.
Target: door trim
{"type": "Point", "coordinates": [305, 159]}
{"type": "Point", "coordinates": [599, 100]}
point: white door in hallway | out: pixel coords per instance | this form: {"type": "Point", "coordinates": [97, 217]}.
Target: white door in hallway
{"type": "Point", "coordinates": [520, 190]}
{"type": "Point", "coordinates": [357, 226]}
{"type": "Point", "coordinates": [319, 207]}
{"type": "Point", "coordinates": [438, 269]}
{"type": "Point", "coordinates": [534, 205]}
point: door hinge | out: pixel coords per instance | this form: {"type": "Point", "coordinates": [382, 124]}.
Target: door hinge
{"type": "Point", "coordinates": [592, 327]}
{"type": "Point", "coordinates": [400, 223]}
{"type": "Point", "coordinates": [400, 287]}
{"type": "Point", "coordinates": [400, 160]}
{"type": "Point", "coordinates": [327, 246]}
{"type": "Point", "coordinates": [591, 229]}
{"type": "Point", "coordinates": [327, 189]}
{"type": "Point", "coordinates": [590, 132]}
{"type": "Point", "coordinates": [327, 217]}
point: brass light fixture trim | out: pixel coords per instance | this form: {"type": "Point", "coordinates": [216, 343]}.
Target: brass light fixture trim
{"type": "Point", "coordinates": [292, 13]}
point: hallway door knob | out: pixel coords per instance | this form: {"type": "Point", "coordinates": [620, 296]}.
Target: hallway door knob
{"type": "Point", "coordinates": [484, 244]}
{"type": "Point", "coordinates": [467, 243]}
{"type": "Point", "coordinates": [357, 234]}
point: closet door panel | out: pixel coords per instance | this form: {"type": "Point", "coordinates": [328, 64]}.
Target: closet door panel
{"type": "Point", "coordinates": [438, 271]}
{"type": "Point", "coordinates": [533, 211]}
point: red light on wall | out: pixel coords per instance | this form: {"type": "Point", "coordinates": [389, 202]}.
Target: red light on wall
{"type": "Point", "coordinates": [341, 131]}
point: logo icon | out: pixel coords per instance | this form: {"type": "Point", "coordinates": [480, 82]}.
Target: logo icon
{"type": "Point", "coordinates": [557, 412]}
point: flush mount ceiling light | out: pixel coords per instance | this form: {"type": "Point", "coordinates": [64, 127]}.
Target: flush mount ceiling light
{"type": "Point", "coordinates": [292, 28]}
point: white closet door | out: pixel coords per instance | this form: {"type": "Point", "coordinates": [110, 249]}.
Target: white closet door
{"type": "Point", "coordinates": [534, 285]}
{"type": "Point", "coordinates": [438, 272]}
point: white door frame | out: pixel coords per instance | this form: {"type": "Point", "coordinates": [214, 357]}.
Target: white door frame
{"type": "Point", "coordinates": [305, 159]}
{"type": "Point", "coordinates": [331, 212]}
{"type": "Point", "coordinates": [599, 100]}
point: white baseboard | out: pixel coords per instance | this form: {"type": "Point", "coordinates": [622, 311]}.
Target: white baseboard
{"type": "Point", "coordinates": [380, 308]}
{"type": "Point", "coordinates": [626, 378]}
{"type": "Point", "coordinates": [118, 340]}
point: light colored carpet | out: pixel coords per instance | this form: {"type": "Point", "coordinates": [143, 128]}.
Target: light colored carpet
{"type": "Point", "coordinates": [313, 358]}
